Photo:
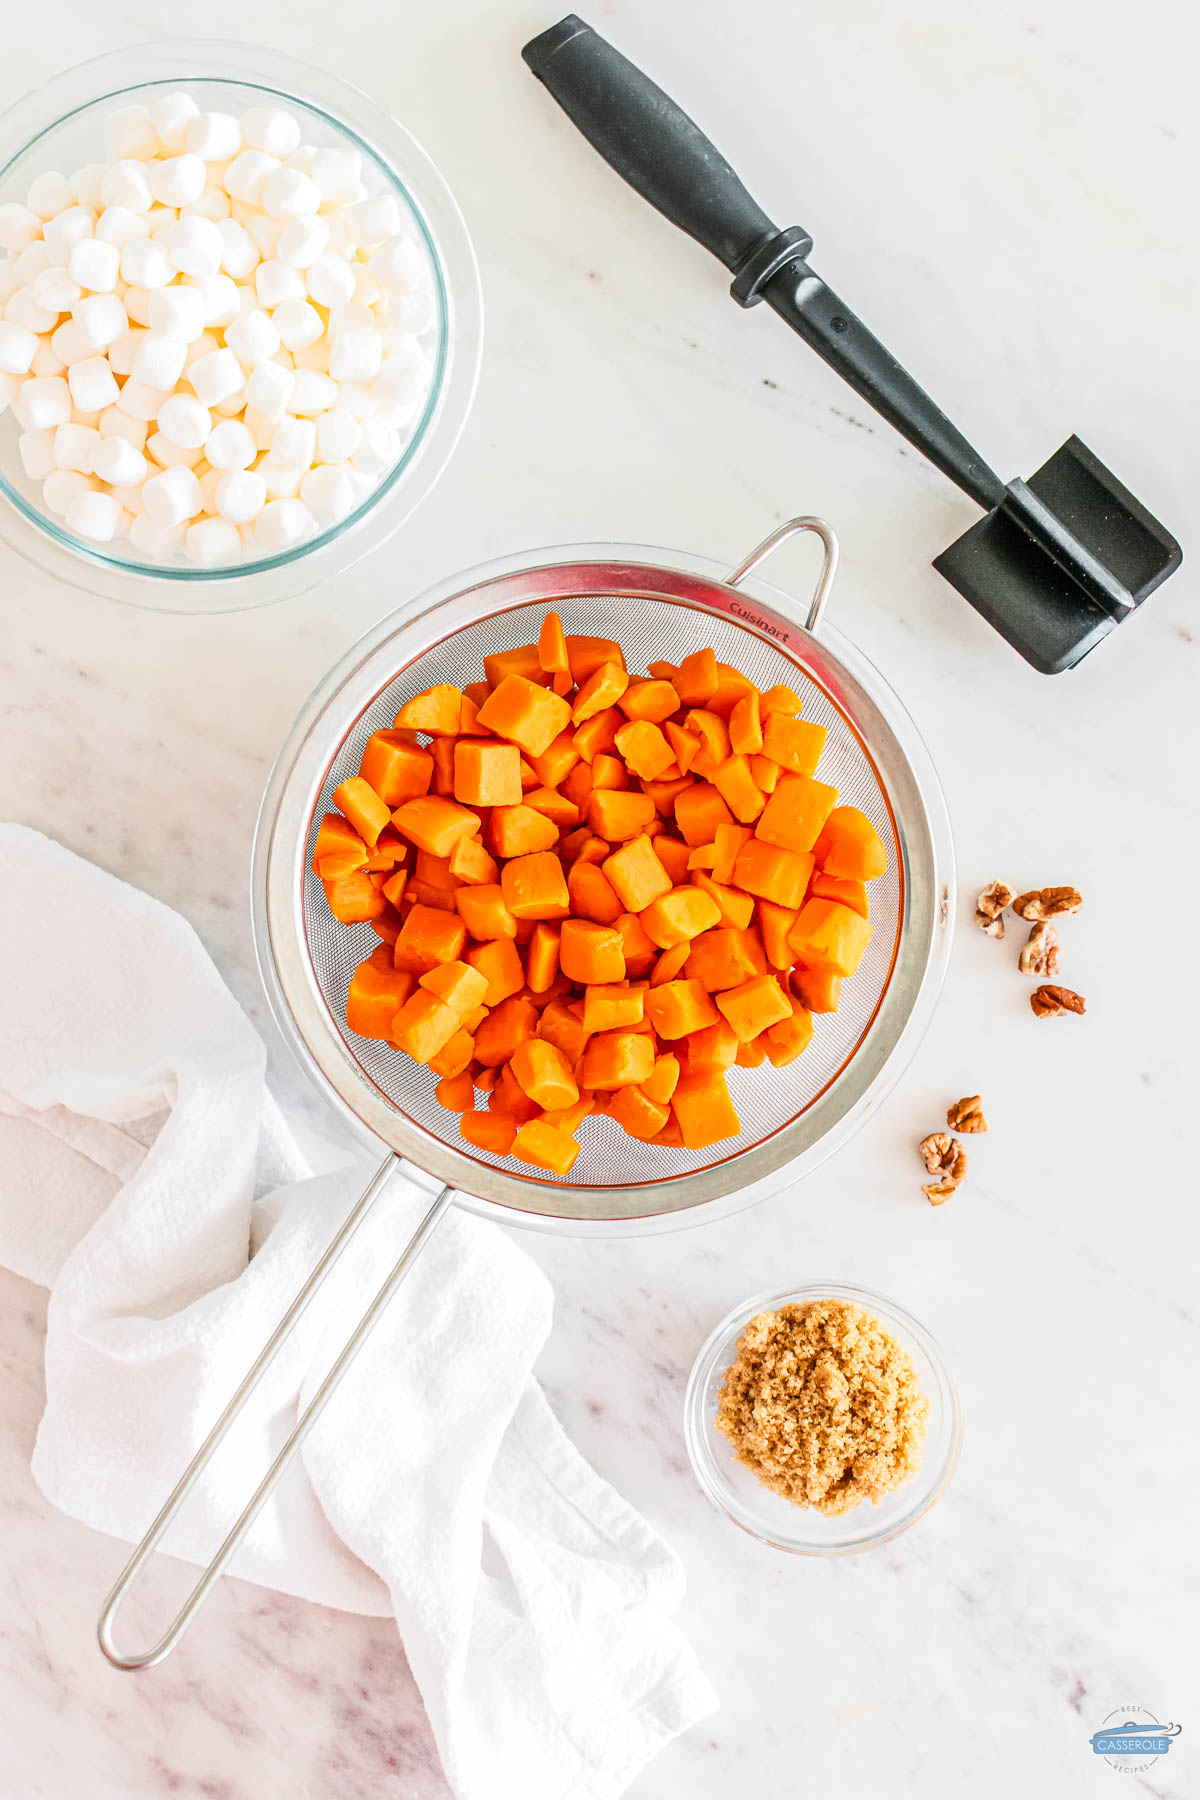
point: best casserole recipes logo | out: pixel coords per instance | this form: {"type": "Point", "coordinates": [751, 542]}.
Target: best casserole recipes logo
{"type": "Point", "coordinates": [1132, 1738]}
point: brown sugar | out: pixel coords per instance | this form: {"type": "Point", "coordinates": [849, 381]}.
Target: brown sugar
{"type": "Point", "coordinates": [823, 1405]}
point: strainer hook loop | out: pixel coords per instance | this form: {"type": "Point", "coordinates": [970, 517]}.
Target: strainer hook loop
{"type": "Point", "coordinates": [780, 535]}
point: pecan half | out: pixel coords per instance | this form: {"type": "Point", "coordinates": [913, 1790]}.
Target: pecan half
{"type": "Point", "coordinates": [1040, 955]}
{"type": "Point", "coordinates": [1047, 903]}
{"type": "Point", "coordinates": [989, 908]}
{"type": "Point", "coordinates": [938, 1192]}
{"type": "Point", "coordinates": [1048, 1000]}
{"type": "Point", "coordinates": [967, 1115]}
{"type": "Point", "coordinates": [944, 1156]}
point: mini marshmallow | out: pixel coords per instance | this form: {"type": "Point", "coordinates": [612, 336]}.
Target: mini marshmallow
{"type": "Point", "coordinates": [66, 230]}
{"type": "Point", "coordinates": [282, 523]}
{"type": "Point", "coordinates": [24, 310]}
{"type": "Point", "coordinates": [301, 158]}
{"type": "Point", "coordinates": [240, 252]}
{"type": "Point", "coordinates": [130, 133]}
{"type": "Point", "coordinates": [294, 444]}
{"type": "Point", "coordinates": [172, 497]}
{"type": "Point", "coordinates": [214, 136]}
{"type": "Point", "coordinates": [297, 323]}
{"type": "Point", "coordinates": [240, 496]}
{"type": "Point", "coordinates": [213, 204]}
{"type": "Point", "coordinates": [159, 542]}
{"type": "Point", "coordinates": [204, 345]}
{"type": "Point", "coordinates": [19, 226]}
{"type": "Point", "coordinates": [232, 407]}
{"type": "Point", "coordinates": [328, 493]}
{"type": "Point", "coordinates": [403, 374]}
{"type": "Point", "coordinates": [9, 280]}
{"type": "Point", "coordinates": [140, 401]}
{"type": "Point", "coordinates": [357, 398]}
{"type": "Point", "coordinates": [216, 376]}
{"type": "Point", "coordinates": [145, 263]}
{"type": "Point", "coordinates": [44, 401]}
{"type": "Point", "coordinates": [18, 347]}
{"type": "Point", "coordinates": [341, 238]}
{"type": "Point", "coordinates": [85, 184]}
{"type": "Point", "coordinates": [337, 173]}
{"type": "Point", "coordinates": [287, 192]}
{"type": "Point", "coordinates": [171, 456]}
{"type": "Point", "coordinates": [170, 115]}
{"type": "Point", "coordinates": [259, 425]}
{"type": "Point", "coordinates": [313, 356]}
{"type": "Point", "coordinates": [270, 128]}
{"type": "Point", "coordinates": [351, 317]}
{"type": "Point", "coordinates": [117, 461]}
{"type": "Point", "coordinates": [367, 290]}
{"type": "Point", "coordinates": [355, 355]}
{"type": "Point", "coordinates": [126, 184]}
{"type": "Point", "coordinates": [95, 516]}
{"type": "Point", "coordinates": [32, 261]}
{"type": "Point", "coordinates": [46, 361]}
{"type": "Point", "coordinates": [269, 388]}
{"type": "Point", "coordinates": [75, 447]}
{"type": "Point", "coordinates": [275, 282]}
{"type": "Point", "coordinates": [302, 240]}
{"type": "Point", "coordinates": [179, 181]}
{"type": "Point", "coordinates": [375, 219]}
{"type": "Point", "coordinates": [184, 421]}
{"type": "Point", "coordinates": [117, 225]}
{"type": "Point", "coordinates": [49, 194]}
{"type": "Point", "coordinates": [282, 480]}
{"type": "Point", "coordinates": [115, 423]}
{"type": "Point", "coordinates": [11, 385]}
{"type": "Point", "coordinates": [338, 435]}
{"type": "Point", "coordinates": [136, 301]}
{"type": "Point", "coordinates": [230, 445]}
{"type": "Point", "coordinates": [71, 342]}
{"type": "Point", "coordinates": [95, 266]}
{"type": "Point", "coordinates": [330, 280]}
{"type": "Point", "coordinates": [312, 393]}
{"type": "Point", "coordinates": [61, 487]}
{"type": "Point", "coordinates": [252, 338]}
{"type": "Point", "coordinates": [409, 313]}
{"type": "Point", "coordinates": [159, 360]}
{"type": "Point", "coordinates": [378, 450]}
{"type": "Point", "coordinates": [247, 174]}
{"type": "Point", "coordinates": [93, 385]}
{"type": "Point", "coordinates": [36, 450]}
{"type": "Point", "coordinates": [398, 263]}
{"type": "Point", "coordinates": [221, 298]}
{"type": "Point", "coordinates": [177, 312]}
{"type": "Point", "coordinates": [100, 320]}
{"type": "Point", "coordinates": [194, 246]}
{"type": "Point", "coordinates": [266, 233]}
{"type": "Point", "coordinates": [211, 542]}
{"type": "Point", "coordinates": [159, 217]}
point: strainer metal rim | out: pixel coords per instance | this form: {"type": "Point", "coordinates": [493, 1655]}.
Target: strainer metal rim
{"type": "Point", "coordinates": [411, 631]}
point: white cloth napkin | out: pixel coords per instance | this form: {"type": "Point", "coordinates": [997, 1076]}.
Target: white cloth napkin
{"type": "Point", "coordinates": [148, 1180]}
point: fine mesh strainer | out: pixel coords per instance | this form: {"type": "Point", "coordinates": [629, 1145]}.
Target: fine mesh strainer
{"type": "Point", "coordinates": [791, 1118]}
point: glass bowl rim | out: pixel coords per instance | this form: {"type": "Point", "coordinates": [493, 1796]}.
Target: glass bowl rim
{"type": "Point", "coordinates": [696, 1420]}
{"type": "Point", "coordinates": [406, 166]}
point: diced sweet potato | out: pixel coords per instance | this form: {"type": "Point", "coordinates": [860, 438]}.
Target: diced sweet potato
{"type": "Point", "coordinates": [774, 923]}
{"type": "Point", "coordinates": [500, 962]}
{"type": "Point", "coordinates": [736, 908]}
{"type": "Point", "coordinates": [493, 1131]}
{"type": "Point", "coordinates": [586, 654]}
{"type": "Point", "coordinates": [534, 886]}
{"type": "Point", "coordinates": [525, 714]}
{"type": "Point", "coordinates": [829, 936]}
{"type": "Point", "coordinates": [520, 831]}
{"type": "Point", "coordinates": [648, 700]}
{"type": "Point", "coordinates": [699, 810]}
{"type": "Point", "coordinates": [357, 800]}
{"type": "Point", "coordinates": [592, 894]}
{"type": "Point", "coordinates": [353, 898]}
{"type": "Point", "coordinates": [544, 1073]}
{"type": "Point", "coordinates": [613, 1007]}
{"type": "Point", "coordinates": [643, 746]}
{"type": "Point", "coordinates": [678, 1007]}
{"type": "Point", "coordinates": [433, 823]}
{"type": "Point", "coordinates": [486, 773]}
{"type": "Point", "coordinates": [541, 960]}
{"type": "Point", "coordinates": [795, 813]}
{"type": "Point", "coordinates": [754, 1006]}
{"type": "Point", "coordinates": [455, 1092]}
{"type": "Point", "coordinates": [437, 711]}
{"type": "Point", "coordinates": [509, 1025]}
{"type": "Point", "coordinates": [615, 815]}
{"type": "Point", "coordinates": [617, 1059]}
{"type": "Point", "coordinates": [787, 1040]}
{"type": "Point", "coordinates": [850, 846]}
{"type": "Point", "coordinates": [552, 646]}
{"type": "Point", "coordinates": [795, 744]}
{"type": "Point", "coordinates": [396, 768]}
{"type": "Point", "coordinates": [601, 690]}
{"type": "Point", "coordinates": [459, 985]}
{"type": "Point", "coordinates": [819, 990]}
{"type": "Point", "coordinates": [485, 913]}
{"type": "Point", "coordinates": [338, 849]}
{"type": "Point", "coordinates": [640, 952]}
{"type": "Point", "coordinates": [738, 788]}
{"type": "Point", "coordinates": [545, 1147]}
{"type": "Point", "coordinates": [704, 1111]}
{"type": "Point", "coordinates": [469, 862]}
{"type": "Point", "coordinates": [838, 887]}
{"type": "Point", "coordinates": [423, 1025]}
{"type": "Point", "coordinates": [429, 937]}
{"type": "Point", "coordinates": [679, 916]}
{"type": "Point", "coordinates": [562, 1024]}
{"type": "Point", "coordinates": [715, 1047]}
{"type": "Point", "coordinates": [745, 725]}
{"type": "Point", "coordinates": [591, 954]}
{"type": "Point", "coordinates": [660, 1084]}
{"type": "Point", "coordinates": [637, 874]}
{"type": "Point", "coordinates": [725, 957]}
{"type": "Point", "coordinates": [637, 1113]}
{"type": "Point", "coordinates": [772, 873]}
{"type": "Point", "coordinates": [376, 995]}
{"type": "Point", "coordinates": [696, 681]}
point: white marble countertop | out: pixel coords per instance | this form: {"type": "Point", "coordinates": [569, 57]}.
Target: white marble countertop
{"type": "Point", "coordinates": [1008, 195]}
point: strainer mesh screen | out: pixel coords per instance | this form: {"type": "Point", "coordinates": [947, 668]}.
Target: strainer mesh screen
{"type": "Point", "coordinates": [648, 629]}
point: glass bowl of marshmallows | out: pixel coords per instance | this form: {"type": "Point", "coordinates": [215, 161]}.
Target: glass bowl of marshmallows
{"type": "Point", "coordinates": [241, 326]}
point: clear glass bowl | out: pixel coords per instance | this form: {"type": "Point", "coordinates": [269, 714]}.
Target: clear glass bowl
{"type": "Point", "coordinates": [61, 126]}
{"type": "Point", "coordinates": [802, 1531]}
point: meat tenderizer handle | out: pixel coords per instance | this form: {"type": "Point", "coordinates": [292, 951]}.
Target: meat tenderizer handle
{"type": "Point", "coordinates": [649, 141]}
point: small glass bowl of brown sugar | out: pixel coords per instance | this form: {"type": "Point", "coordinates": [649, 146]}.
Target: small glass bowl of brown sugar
{"type": "Point", "coordinates": [822, 1420]}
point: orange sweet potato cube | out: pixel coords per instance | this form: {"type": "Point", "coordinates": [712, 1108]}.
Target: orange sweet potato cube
{"type": "Point", "coordinates": [793, 743]}
{"type": "Point", "coordinates": [699, 810]}
{"type": "Point", "coordinates": [754, 1006]}
{"type": "Point", "coordinates": [725, 957]}
{"type": "Point", "coordinates": [552, 646]}
{"type": "Point", "coordinates": [490, 1131]}
{"type": "Point", "coordinates": [696, 681]}
{"type": "Point", "coordinates": [357, 800]}
{"type": "Point", "coordinates": [818, 990]}
{"type": "Point", "coordinates": [837, 887]}
{"type": "Point", "coordinates": [509, 1025]}
{"type": "Point", "coordinates": [592, 894]}
{"type": "Point", "coordinates": [545, 1146]}
{"type": "Point", "coordinates": [544, 1073]}
{"type": "Point", "coordinates": [591, 954]}
{"type": "Point", "coordinates": [613, 1008]}
{"type": "Point", "coordinates": [428, 937]}
{"type": "Point", "coordinates": [353, 898]}
{"type": "Point", "coordinates": [616, 815]}
{"type": "Point", "coordinates": [795, 813]}
{"type": "Point", "coordinates": [617, 1059]}
{"type": "Point", "coordinates": [520, 830]}
{"type": "Point", "coordinates": [703, 1110]}
{"type": "Point", "coordinates": [643, 746]}
{"type": "Point", "coordinates": [587, 653]}
{"type": "Point", "coordinates": [338, 849]}
{"type": "Point", "coordinates": [396, 768]}
{"type": "Point", "coordinates": [678, 1007]}
{"type": "Point", "coordinates": [484, 911]}
{"type": "Point", "coordinates": [639, 949]}
{"type": "Point", "coordinates": [437, 711]}
{"type": "Point", "coordinates": [648, 700]}
{"type": "Point", "coordinates": [679, 916]}
{"type": "Point", "coordinates": [486, 773]}
{"type": "Point", "coordinates": [738, 788]}
{"type": "Point", "coordinates": [500, 963]}
{"type": "Point", "coordinates": [433, 823]}
{"type": "Point", "coordinates": [787, 1040]}
{"type": "Point", "coordinates": [534, 886]}
{"type": "Point", "coordinates": [376, 995]}
{"type": "Point", "coordinates": [524, 713]}
{"type": "Point", "coordinates": [459, 985]}
{"type": "Point", "coordinates": [637, 874]}
{"type": "Point", "coordinates": [424, 1025]}
{"type": "Point", "coordinates": [828, 935]}
{"type": "Point", "coordinates": [772, 873]}
{"type": "Point", "coordinates": [637, 1114]}
{"type": "Point", "coordinates": [850, 847]}
{"type": "Point", "coordinates": [603, 687]}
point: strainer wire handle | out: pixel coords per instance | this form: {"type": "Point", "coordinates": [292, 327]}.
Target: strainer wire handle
{"type": "Point", "coordinates": [145, 1659]}
{"type": "Point", "coordinates": [780, 535]}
